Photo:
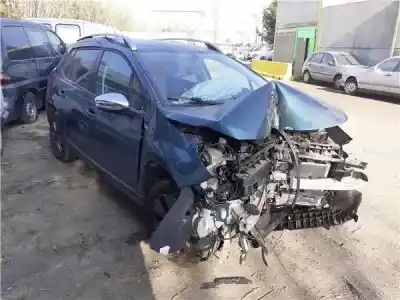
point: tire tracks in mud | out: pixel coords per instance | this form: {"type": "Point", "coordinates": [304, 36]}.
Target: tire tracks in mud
{"type": "Point", "coordinates": [318, 275]}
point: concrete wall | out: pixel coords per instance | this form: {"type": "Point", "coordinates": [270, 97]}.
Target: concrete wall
{"type": "Point", "coordinates": [284, 46]}
{"type": "Point", "coordinates": [364, 28]}
{"type": "Point", "coordinates": [294, 13]}
{"type": "Point", "coordinates": [397, 45]}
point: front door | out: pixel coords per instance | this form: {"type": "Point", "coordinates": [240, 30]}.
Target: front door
{"type": "Point", "coordinates": [116, 137]}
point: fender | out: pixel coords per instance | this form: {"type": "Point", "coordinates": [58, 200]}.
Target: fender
{"type": "Point", "coordinates": [175, 229]}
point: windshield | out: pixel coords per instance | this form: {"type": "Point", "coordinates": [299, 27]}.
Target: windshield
{"type": "Point", "coordinates": [346, 59]}
{"type": "Point", "coordinates": [198, 77]}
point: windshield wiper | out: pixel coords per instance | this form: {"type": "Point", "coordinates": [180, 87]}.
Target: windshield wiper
{"type": "Point", "coordinates": [197, 100]}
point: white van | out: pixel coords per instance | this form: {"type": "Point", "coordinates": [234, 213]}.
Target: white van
{"type": "Point", "coordinates": [70, 30]}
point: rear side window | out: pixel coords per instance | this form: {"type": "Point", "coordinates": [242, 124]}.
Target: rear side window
{"type": "Point", "coordinates": [328, 59]}
{"type": "Point", "coordinates": [390, 65]}
{"type": "Point", "coordinates": [80, 65]}
{"type": "Point", "coordinates": [39, 42]}
{"type": "Point", "coordinates": [56, 43]}
{"type": "Point", "coordinates": [16, 43]}
{"type": "Point", "coordinates": [114, 75]}
{"type": "Point", "coordinates": [317, 58]}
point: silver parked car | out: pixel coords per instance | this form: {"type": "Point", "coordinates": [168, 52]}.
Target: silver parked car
{"type": "Point", "coordinates": [328, 66]}
{"type": "Point", "coordinates": [381, 78]}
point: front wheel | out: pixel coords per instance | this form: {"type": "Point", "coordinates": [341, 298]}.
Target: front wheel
{"type": "Point", "coordinates": [161, 197]}
{"type": "Point", "coordinates": [29, 112]}
{"type": "Point", "coordinates": [351, 86]}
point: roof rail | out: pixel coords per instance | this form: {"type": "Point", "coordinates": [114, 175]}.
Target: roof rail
{"type": "Point", "coordinates": [107, 36]}
{"type": "Point", "coordinates": [209, 45]}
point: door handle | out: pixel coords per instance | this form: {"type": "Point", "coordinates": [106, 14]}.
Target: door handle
{"type": "Point", "coordinates": [388, 75]}
{"type": "Point", "coordinates": [90, 112]}
{"type": "Point", "coordinates": [61, 93]}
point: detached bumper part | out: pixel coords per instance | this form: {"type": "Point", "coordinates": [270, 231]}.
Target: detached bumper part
{"type": "Point", "coordinates": [175, 229]}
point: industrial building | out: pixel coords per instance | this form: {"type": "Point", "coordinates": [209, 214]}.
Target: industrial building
{"type": "Point", "coordinates": [369, 29]}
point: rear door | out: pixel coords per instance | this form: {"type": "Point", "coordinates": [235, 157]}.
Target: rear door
{"type": "Point", "coordinates": [328, 67]}
{"type": "Point", "coordinates": [18, 66]}
{"type": "Point", "coordinates": [315, 66]}
{"type": "Point", "coordinates": [397, 88]}
{"type": "Point", "coordinates": [73, 95]}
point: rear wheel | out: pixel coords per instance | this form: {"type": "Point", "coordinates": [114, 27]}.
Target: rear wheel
{"type": "Point", "coordinates": [351, 86]}
{"type": "Point", "coordinates": [29, 112]}
{"type": "Point", "coordinates": [336, 81]}
{"type": "Point", "coordinates": [307, 77]}
{"type": "Point", "coordinates": [59, 147]}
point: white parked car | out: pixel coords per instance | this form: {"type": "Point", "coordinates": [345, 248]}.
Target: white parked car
{"type": "Point", "coordinates": [381, 78]}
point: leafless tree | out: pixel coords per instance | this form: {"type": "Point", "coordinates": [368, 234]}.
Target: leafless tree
{"type": "Point", "coordinates": [88, 10]}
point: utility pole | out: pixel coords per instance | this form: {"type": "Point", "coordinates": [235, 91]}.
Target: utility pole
{"type": "Point", "coordinates": [396, 31]}
{"type": "Point", "coordinates": [216, 16]}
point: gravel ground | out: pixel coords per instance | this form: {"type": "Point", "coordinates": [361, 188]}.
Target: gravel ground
{"type": "Point", "coordinates": [65, 236]}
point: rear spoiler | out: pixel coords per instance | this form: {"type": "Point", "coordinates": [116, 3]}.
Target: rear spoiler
{"type": "Point", "coordinates": [208, 45]}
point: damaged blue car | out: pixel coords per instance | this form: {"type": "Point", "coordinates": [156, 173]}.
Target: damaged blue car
{"type": "Point", "coordinates": [212, 150]}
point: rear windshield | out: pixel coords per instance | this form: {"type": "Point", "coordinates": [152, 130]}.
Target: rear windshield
{"type": "Point", "coordinates": [346, 59]}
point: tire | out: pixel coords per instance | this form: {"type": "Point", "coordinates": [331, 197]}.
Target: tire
{"type": "Point", "coordinates": [29, 110]}
{"type": "Point", "coordinates": [307, 77]}
{"type": "Point", "coordinates": [336, 81]}
{"type": "Point", "coordinates": [351, 86]}
{"type": "Point", "coordinates": [189, 255]}
{"type": "Point", "coordinates": [59, 147]}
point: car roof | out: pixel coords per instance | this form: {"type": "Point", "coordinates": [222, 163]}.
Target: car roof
{"type": "Point", "coordinates": [17, 22]}
{"type": "Point", "coordinates": [141, 45]}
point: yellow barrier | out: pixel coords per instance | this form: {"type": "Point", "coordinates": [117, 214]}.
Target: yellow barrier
{"type": "Point", "coordinates": [274, 69]}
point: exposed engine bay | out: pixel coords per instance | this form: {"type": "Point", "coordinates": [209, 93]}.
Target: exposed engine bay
{"type": "Point", "coordinates": [289, 181]}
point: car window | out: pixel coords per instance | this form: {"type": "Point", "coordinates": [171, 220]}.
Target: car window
{"type": "Point", "coordinates": [80, 65]}
{"type": "Point", "coordinates": [328, 59]}
{"type": "Point", "coordinates": [390, 65]}
{"type": "Point", "coordinates": [114, 75]}
{"type": "Point", "coordinates": [16, 43]}
{"type": "Point", "coordinates": [317, 57]}
{"type": "Point", "coordinates": [218, 70]}
{"type": "Point", "coordinates": [69, 33]}
{"type": "Point", "coordinates": [39, 42]}
{"type": "Point", "coordinates": [55, 42]}
{"type": "Point", "coordinates": [346, 59]}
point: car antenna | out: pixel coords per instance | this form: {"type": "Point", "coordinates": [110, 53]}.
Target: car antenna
{"type": "Point", "coordinates": [109, 21]}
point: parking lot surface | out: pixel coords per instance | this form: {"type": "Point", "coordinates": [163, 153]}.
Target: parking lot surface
{"type": "Point", "coordinates": [66, 236]}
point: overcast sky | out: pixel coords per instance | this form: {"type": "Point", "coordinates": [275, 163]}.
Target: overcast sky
{"type": "Point", "coordinates": [231, 18]}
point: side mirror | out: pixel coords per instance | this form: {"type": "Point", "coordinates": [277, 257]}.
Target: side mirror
{"type": "Point", "coordinates": [331, 63]}
{"type": "Point", "coordinates": [112, 102]}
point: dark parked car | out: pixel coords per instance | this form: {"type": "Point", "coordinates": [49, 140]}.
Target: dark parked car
{"type": "Point", "coordinates": [29, 52]}
{"type": "Point", "coordinates": [211, 149]}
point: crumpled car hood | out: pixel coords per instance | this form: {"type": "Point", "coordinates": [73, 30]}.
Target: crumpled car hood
{"type": "Point", "coordinates": [275, 105]}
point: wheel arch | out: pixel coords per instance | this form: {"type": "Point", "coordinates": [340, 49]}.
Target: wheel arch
{"type": "Point", "coordinates": [154, 172]}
